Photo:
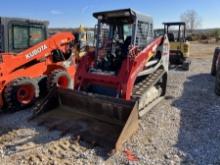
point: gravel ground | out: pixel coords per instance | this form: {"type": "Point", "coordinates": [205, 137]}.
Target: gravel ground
{"type": "Point", "coordinates": [182, 129]}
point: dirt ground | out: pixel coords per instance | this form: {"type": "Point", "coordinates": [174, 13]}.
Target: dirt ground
{"type": "Point", "coordinates": [199, 50]}
{"type": "Point", "coordinates": [183, 129]}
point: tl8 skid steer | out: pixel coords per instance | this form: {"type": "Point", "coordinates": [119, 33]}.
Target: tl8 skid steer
{"type": "Point", "coordinates": [114, 85]}
{"type": "Point", "coordinates": [22, 74]}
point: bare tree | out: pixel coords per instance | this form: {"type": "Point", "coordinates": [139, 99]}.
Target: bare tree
{"type": "Point", "coordinates": [192, 20]}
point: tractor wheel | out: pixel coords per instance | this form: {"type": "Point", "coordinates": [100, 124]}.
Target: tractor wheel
{"type": "Point", "coordinates": [59, 78]}
{"type": "Point", "coordinates": [217, 82]}
{"type": "Point", "coordinates": [21, 93]}
{"type": "Point", "coordinates": [214, 60]}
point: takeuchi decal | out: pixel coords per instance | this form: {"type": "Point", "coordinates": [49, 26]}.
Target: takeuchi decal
{"type": "Point", "coordinates": [36, 51]}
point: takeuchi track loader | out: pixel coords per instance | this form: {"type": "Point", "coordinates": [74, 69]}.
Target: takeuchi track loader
{"type": "Point", "coordinates": [23, 76]}
{"type": "Point", "coordinates": [114, 86]}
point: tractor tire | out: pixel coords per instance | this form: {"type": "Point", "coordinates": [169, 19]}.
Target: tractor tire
{"type": "Point", "coordinates": [217, 82]}
{"type": "Point", "coordinates": [59, 78]}
{"type": "Point", "coordinates": [21, 93]}
{"type": "Point", "coordinates": [214, 60]}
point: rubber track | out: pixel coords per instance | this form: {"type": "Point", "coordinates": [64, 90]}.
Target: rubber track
{"type": "Point", "coordinates": [143, 86]}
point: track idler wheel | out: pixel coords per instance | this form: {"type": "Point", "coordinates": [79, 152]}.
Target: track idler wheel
{"type": "Point", "coordinates": [21, 93]}
{"type": "Point", "coordinates": [59, 78]}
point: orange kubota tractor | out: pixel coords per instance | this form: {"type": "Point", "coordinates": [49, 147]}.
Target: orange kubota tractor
{"type": "Point", "coordinates": [22, 75]}
{"type": "Point", "coordinates": [114, 85]}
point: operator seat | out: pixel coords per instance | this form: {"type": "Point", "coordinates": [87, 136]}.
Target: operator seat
{"type": "Point", "coordinates": [125, 46]}
{"type": "Point", "coordinates": [171, 37]}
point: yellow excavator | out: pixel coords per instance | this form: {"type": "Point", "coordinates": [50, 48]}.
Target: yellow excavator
{"type": "Point", "coordinates": [179, 46]}
{"type": "Point", "coordinates": [84, 41]}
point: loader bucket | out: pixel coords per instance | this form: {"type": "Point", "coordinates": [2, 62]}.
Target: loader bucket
{"type": "Point", "coordinates": [100, 120]}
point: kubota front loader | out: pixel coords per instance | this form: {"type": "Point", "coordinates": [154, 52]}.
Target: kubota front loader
{"type": "Point", "coordinates": [114, 86]}
{"type": "Point", "coordinates": [23, 76]}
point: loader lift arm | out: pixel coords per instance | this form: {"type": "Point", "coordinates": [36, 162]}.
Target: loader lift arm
{"type": "Point", "coordinates": [37, 52]}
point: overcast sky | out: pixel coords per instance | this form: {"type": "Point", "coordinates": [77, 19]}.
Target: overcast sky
{"type": "Point", "coordinates": [72, 13]}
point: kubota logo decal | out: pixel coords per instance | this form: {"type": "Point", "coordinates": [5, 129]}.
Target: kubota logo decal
{"type": "Point", "coordinates": [36, 51]}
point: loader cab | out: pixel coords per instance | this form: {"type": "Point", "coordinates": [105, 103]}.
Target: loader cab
{"type": "Point", "coordinates": [84, 41]}
{"type": "Point", "coordinates": [17, 34]}
{"type": "Point", "coordinates": [176, 31]}
{"type": "Point", "coordinates": [117, 31]}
